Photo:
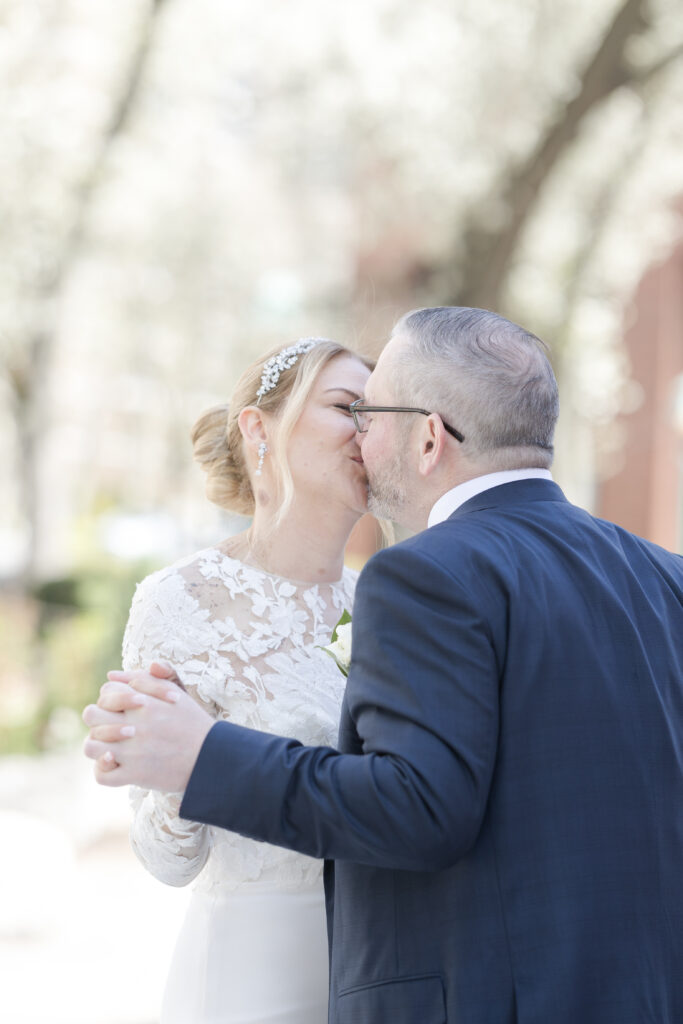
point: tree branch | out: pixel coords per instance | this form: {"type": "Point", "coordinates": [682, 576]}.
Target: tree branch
{"type": "Point", "coordinates": [641, 76]}
{"type": "Point", "coordinates": [489, 252]}
{"type": "Point", "coordinates": [118, 121]}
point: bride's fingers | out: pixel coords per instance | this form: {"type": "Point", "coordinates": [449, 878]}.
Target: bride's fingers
{"type": "Point", "coordinates": [120, 676]}
{"type": "Point", "coordinates": [158, 669]}
{"type": "Point", "coordinates": [162, 689]}
{"type": "Point", "coordinates": [111, 733]}
{"type": "Point", "coordinates": [94, 715]}
{"type": "Point", "coordinates": [95, 749]}
{"type": "Point", "coordinates": [124, 699]}
{"type": "Point", "coordinates": [156, 682]}
{"type": "Point", "coordinates": [162, 670]}
{"type": "Point", "coordinates": [106, 763]}
{"type": "Point", "coordinates": [112, 774]}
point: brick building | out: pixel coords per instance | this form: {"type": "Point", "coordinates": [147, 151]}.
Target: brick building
{"type": "Point", "coordinates": [645, 494]}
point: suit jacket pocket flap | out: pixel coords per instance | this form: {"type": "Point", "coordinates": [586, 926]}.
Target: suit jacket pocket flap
{"type": "Point", "coordinates": [400, 1001]}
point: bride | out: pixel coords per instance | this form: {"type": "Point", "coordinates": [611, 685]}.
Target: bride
{"type": "Point", "coordinates": [242, 624]}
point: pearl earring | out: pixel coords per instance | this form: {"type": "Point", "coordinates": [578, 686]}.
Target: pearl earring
{"type": "Point", "coordinates": [262, 449]}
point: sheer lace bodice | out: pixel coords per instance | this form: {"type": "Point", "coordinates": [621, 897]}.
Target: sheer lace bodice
{"type": "Point", "coordinates": [245, 643]}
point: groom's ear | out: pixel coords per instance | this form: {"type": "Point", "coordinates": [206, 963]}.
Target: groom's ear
{"type": "Point", "coordinates": [252, 425]}
{"type": "Point", "coordinates": [432, 443]}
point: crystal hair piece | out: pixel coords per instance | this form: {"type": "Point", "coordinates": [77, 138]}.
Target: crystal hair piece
{"type": "Point", "coordinates": [284, 360]}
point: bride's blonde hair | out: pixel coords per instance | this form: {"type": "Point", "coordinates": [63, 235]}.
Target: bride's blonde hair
{"type": "Point", "coordinates": [218, 445]}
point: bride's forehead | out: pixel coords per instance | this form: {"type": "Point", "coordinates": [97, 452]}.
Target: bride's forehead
{"type": "Point", "coordinates": [346, 371]}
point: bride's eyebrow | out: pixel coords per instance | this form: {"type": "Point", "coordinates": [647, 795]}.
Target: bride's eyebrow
{"type": "Point", "coordinates": [346, 390]}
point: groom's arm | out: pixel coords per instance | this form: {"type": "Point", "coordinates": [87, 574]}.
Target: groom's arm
{"type": "Point", "coordinates": [423, 696]}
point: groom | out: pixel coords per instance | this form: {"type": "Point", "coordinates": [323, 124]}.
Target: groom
{"type": "Point", "coordinates": [504, 822]}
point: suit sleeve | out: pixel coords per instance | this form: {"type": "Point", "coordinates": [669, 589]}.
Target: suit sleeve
{"type": "Point", "coordinates": [422, 696]}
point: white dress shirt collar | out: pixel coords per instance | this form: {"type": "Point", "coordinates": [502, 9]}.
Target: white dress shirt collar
{"type": "Point", "coordinates": [457, 496]}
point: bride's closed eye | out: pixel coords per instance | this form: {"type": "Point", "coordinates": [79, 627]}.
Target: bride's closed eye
{"type": "Point", "coordinates": [344, 408]}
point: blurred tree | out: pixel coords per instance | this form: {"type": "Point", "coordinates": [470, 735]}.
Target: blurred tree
{"type": "Point", "coordinates": [491, 249]}
{"type": "Point", "coordinates": [183, 182]}
{"type": "Point", "coordinates": [299, 168]}
{"type": "Point", "coordinates": [51, 233]}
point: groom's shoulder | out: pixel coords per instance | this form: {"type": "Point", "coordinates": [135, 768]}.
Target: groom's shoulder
{"type": "Point", "coordinates": [462, 548]}
{"type": "Point", "coordinates": [435, 541]}
{"type": "Point", "coordinates": [429, 550]}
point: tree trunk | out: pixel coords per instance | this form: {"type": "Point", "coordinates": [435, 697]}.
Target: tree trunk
{"type": "Point", "coordinates": [29, 377]}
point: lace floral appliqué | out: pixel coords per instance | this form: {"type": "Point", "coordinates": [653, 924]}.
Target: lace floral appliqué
{"type": "Point", "coordinates": [246, 646]}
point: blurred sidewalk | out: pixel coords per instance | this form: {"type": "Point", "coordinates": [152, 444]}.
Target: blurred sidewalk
{"type": "Point", "coordinates": [86, 934]}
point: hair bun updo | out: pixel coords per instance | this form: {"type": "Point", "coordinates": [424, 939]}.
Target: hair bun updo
{"type": "Point", "coordinates": [217, 448]}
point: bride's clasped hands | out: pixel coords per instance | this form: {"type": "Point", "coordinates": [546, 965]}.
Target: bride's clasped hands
{"type": "Point", "coordinates": [139, 705]}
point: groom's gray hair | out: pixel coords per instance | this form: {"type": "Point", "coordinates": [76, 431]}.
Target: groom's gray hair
{"type": "Point", "coordinates": [486, 376]}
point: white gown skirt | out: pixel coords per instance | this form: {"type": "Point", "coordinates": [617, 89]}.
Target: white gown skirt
{"type": "Point", "coordinates": [257, 955]}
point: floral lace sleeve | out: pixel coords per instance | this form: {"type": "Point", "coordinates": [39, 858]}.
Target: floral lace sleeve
{"type": "Point", "coordinates": [172, 849]}
{"type": "Point", "coordinates": [246, 644]}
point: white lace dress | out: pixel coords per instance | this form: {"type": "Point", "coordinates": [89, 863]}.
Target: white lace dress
{"type": "Point", "coordinates": [253, 947]}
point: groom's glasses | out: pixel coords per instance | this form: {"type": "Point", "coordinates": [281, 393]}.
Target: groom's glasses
{"type": "Point", "coordinates": [359, 412]}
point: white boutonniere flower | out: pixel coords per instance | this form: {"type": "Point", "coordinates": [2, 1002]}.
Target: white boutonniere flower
{"type": "Point", "coordinates": [339, 647]}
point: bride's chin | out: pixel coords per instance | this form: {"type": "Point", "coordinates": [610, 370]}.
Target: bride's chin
{"type": "Point", "coordinates": [357, 501]}
{"type": "Point", "coordinates": [359, 489]}
{"type": "Point", "coordinates": [362, 503]}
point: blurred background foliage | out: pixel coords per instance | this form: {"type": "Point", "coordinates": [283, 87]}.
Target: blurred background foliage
{"type": "Point", "coordinates": [184, 183]}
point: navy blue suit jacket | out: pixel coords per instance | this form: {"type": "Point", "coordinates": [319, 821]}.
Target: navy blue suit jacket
{"type": "Point", "coordinates": [505, 813]}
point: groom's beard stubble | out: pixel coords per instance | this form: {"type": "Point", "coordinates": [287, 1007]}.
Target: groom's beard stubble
{"type": "Point", "coordinates": [387, 490]}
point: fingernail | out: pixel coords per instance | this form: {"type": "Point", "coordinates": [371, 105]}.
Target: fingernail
{"type": "Point", "coordinates": [139, 698]}
{"type": "Point", "coordinates": [128, 730]}
{"type": "Point", "coordinates": [108, 757]}
{"type": "Point", "coordinates": [173, 696]}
